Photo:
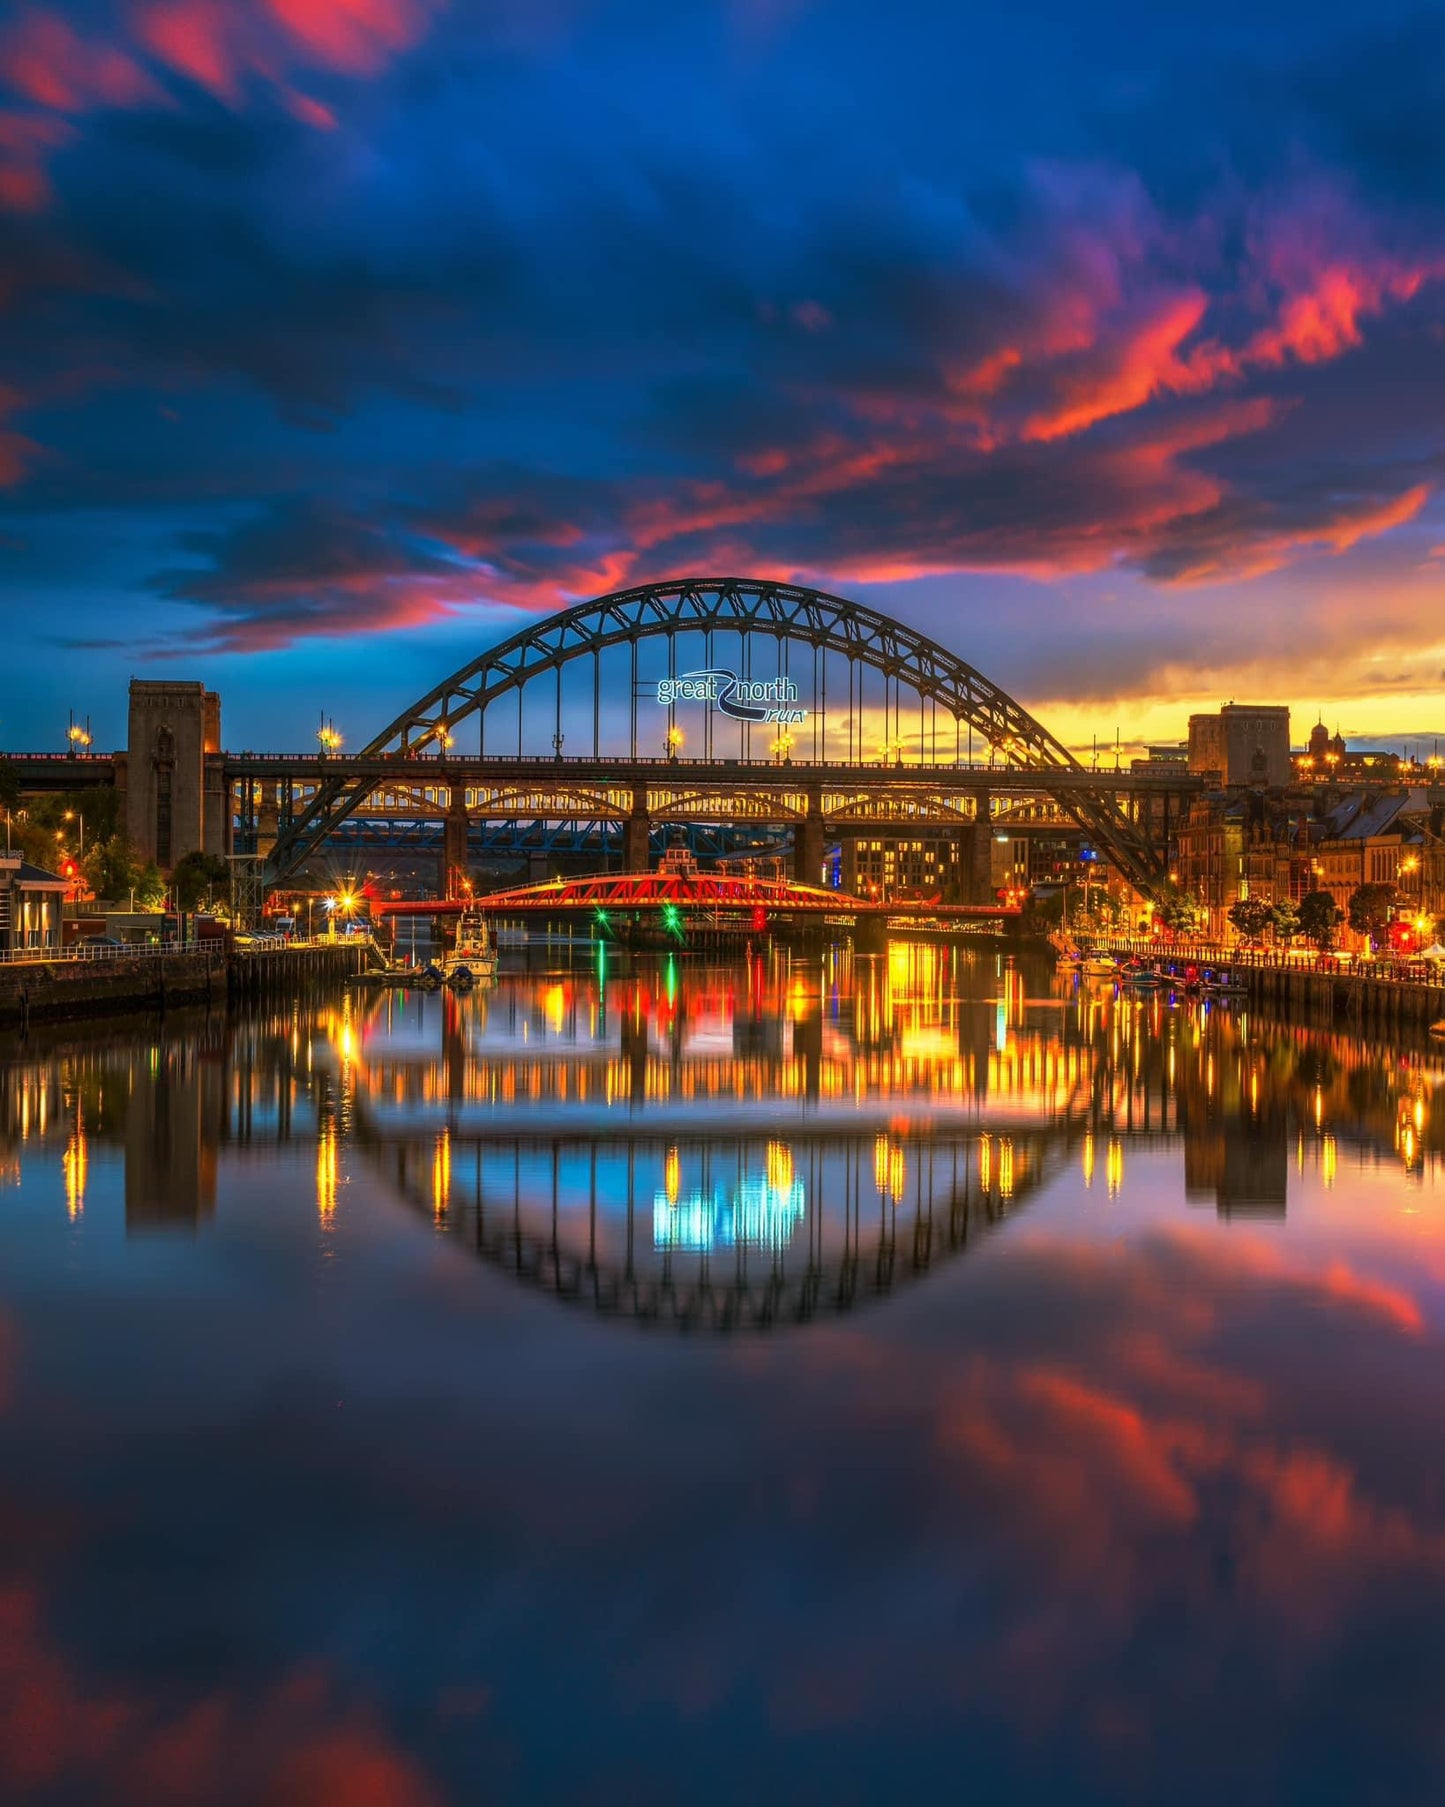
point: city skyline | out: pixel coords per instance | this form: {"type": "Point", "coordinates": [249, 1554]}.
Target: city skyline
{"type": "Point", "coordinates": [341, 339]}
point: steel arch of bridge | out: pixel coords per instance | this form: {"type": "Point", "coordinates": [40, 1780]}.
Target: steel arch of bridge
{"type": "Point", "coordinates": [707, 891]}
{"type": "Point", "coordinates": [742, 606]}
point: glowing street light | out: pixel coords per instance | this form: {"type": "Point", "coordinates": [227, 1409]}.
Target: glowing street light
{"type": "Point", "coordinates": [328, 736]}
{"type": "Point", "coordinates": [675, 738]}
{"type": "Point", "coordinates": [782, 747]}
{"type": "Point", "coordinates": [78, 734]}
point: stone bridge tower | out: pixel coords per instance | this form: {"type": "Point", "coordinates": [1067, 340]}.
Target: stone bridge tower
{"type": "Point", "coordinates": [175, 798]}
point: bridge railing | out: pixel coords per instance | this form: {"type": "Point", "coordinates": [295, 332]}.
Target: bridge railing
{"type": "Point", "coordinates": [80, 955]}
{"type": "Point", "coordinates": [1275, 959]}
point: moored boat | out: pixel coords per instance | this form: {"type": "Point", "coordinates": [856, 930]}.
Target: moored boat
{"type": "Point", "coordinates": [475, 955]}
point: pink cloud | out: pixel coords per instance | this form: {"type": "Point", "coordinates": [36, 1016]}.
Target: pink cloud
{"type": "Point", "coordinates": [47, 61]}
{"type": "Point", "coordinates": [354, 35]}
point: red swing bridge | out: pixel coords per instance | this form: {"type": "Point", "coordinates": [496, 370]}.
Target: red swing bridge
{"type": "Point", "coordinates": [707, 894]}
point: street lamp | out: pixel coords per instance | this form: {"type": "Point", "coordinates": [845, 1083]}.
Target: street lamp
{"type": "Point", "coordinates": [782, 747]}
{"type": "Point", "coordinates": [72, 816]}
{"type": "Point", "coordinates": [78, 735]}
{"type": "Point", "coordinates": [674, 740]}
{"type": "Point", "coordinates": [328, 736]}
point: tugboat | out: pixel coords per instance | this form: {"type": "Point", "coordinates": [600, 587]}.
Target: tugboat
{"type": "Point", "coordinates": [475, 955]}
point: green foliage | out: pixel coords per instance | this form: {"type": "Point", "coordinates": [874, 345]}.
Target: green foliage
{"type": "Point", "coordinates": [98, 806]}
{"type": "Point", "coordinates": [1183, 913]}
{"type": "Point", "coordinates": [198, 878]}
{"type": "Point", "coordinates": [1286, 922]}
{"type": "Point", "coordinates": [1251, 916]}
{"type": "Point", "coordinates": [9, 785]}
{"type": "Point", "coordinates": [1370, 908]}
{"type": "Point", "coordinates": [150, 890]}
{"type": "Point", "coordinates": [1319, 917]}
{"type": "Point", "coordinates": [112, 868]}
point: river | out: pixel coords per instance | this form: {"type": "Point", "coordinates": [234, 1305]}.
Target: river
{"type": "Point", "coordinates": [809, 1377]}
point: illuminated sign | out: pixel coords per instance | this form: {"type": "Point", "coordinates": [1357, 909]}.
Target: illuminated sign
{"type": "Point", "coordinates": [759, 1214]}
{"type": "Point", "coordinates": [744, 699]}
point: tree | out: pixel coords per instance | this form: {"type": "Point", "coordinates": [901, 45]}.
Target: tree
{"type": "Point", "coordinates": [1183, 913]}
{"type": "Point", "coordinates": [1370, 909]}
{"type": "Point", "coordinates": [113, 868]}
{"type": "Point", "coordinates": [150, 890]}
{"type": "Point", "coordinates": [198, 877]}
{"type": "Point", "coordinates": [9, 785]}
{"type": "Point", "coordinates": [1286, 922]}
{"type": "Point", "coordinates": [1251, 916]}
{"type": "Point", "coordinates": [1319, 917]}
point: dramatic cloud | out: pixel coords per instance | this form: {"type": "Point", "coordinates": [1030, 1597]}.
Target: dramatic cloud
{"type": "Point", "coordinates": [380, 310]}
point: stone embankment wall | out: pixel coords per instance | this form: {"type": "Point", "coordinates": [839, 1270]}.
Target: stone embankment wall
{"type": "Point", "coordinates": [55, 989]}
{"type": "Point", "coordinates": [80, 988]}
{"type": "Point", "coordinates": [1353, 999]}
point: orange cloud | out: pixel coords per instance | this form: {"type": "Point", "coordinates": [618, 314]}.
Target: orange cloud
{"type": "Point", "coordinates": [1323, 321]}
{"type": "Point", "coordinates": [1144, 365]}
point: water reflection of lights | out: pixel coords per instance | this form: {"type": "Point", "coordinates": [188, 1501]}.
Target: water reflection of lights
{"type": "Point", "coordinates": [441, 1174]}
{"type": "Point", "coordinates": [1329, 1160]}
{"type": "Point", "coordinates": [327, 1164]}
{"type": "Point", "coordinates": [1114, 1166]}
{"type": "Point", "coordinates": [76, 1163]}
{"type": "Point", "coordinates": [1089, 1159]}
{"type": "Point", "coordinates": [757, 1214]}
{"type": "Point", "coordinates": [890, 1169]}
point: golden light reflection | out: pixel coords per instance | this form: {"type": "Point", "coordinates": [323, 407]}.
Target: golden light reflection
{"type": "Point", "coordinates": [780, 1166]}
{"type": "Point", "coordinates": [327, 1161]}
{"type": "Point", "coordinates": [1329, 1160]}
{"type": "Point", "coordinates": [1089, 1159]}
{"type": "Point", "coordinates": [441, 1174]}
{"type": "Point", "coordinates": [1114, 1166]}
{"type": "Point", "coordinates": [76, 1163]}
{"type": "Point", "coordinates": [672, 1176]}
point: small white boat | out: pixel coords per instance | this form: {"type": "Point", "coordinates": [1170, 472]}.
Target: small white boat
{"type": "Point", "coordinates": [1098, 966]}
{"type": "Point", "coordinates": [475, 954]}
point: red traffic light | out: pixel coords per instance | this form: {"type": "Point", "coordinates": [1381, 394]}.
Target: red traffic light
{"type": "Point", "coordinates": [759, 919]}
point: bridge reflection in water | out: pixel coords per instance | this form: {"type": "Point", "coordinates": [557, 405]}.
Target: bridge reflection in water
{"type": "Point", "coordinates": [718, 1147]}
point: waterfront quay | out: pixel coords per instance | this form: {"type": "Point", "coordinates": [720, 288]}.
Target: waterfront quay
{"type": "Point", "coordinates": [85, 982]}
{"type": "Point", "coordinates": [1384, 994]}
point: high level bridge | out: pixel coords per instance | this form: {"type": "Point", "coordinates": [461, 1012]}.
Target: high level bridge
{"type": "Point", "coordinates": [691, 702]}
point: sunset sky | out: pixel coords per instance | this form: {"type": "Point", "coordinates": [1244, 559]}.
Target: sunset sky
{"type": "Point", "coordinates": [1106, 344]}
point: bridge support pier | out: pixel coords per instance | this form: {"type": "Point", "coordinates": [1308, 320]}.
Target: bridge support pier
{"type": "Point", "coordinates": [975, 854]}
{"type": "Point", "coordinates": [808, 846]}
{"type": "Point", "coordinates": [454, 845]}
{"type": "Point", "coordinates": [870, 934]}
{"type": "Point", "coordinates": [637, 835]}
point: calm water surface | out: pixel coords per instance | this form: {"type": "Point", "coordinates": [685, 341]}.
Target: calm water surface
{"type": "Point", "coordinates": [804, 1379]}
